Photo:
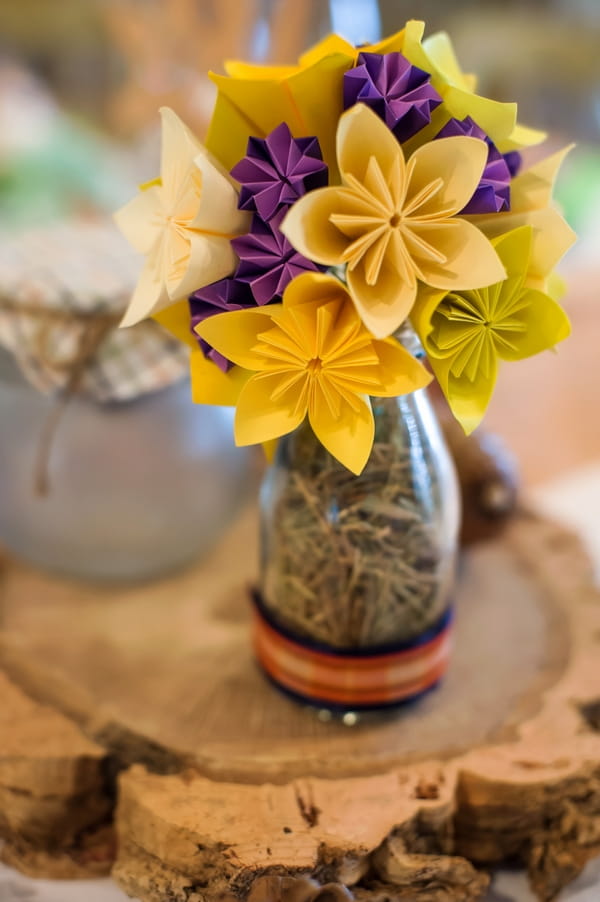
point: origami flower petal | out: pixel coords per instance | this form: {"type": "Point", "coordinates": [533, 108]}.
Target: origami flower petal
{"type": "Point", "coordinates": [179, 146]}
{"type": "Point", "coordinates": [532, 189]}
{"type": "Point", "coordinates": [264, 413]}
{"type": "Point", "coordinates": [178, 221]}
{"type": "Point", "coordinates": [277, 171]}
{"type": "Point", "coordinates": [493, 192]}
{"type": "Point", "coordinates": [382, 307]}
{"type": "Point", "coordinates": [361, 135]}
{"type": "Point", "coordinates": [137, 220]}
{"type": "Point", "coordinates": [176, 320]}
{"type": "Point", "coordinates": [308, 226]}
{"type": "Point", "coordinates": [308, 97]}
{"type": "Point", "coordinates": [460, 159]}
{"type": "Point", "coordinates": [466, 332]}
{"type": "Point", "coordinates": [212, 386]}
{"type": "Point", "coordinates": [217, 213]}
{"type": "Point", "coordinates": [392, 222]}
{"type": "Point", "coordinates": [403, 372]}
{"type": "Point", "coordinates": [470, 260]}
{"type": "Point", "coordinates": [436, 56]}
{"type": "Point", "coordinates": [311, 354]}
{"type": "Point", "coordinates": [469, 401]}
{"type": "Point", "coordinates": [235, 334]}
{"type": "Point", "coordinates": [552, 236]}
{"type": "Point", "coordinates": [398, 92]}
{"type": "Point", "coordinates": [148, 294]}
{"type": "Point", "coordinates": [545, 324]}
{"type": "Point", "coordinates": [348, 435]}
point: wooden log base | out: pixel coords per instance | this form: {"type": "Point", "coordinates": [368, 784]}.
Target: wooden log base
{"type": "Point", "coordinates": [55, 798]}
{"type": "Point", "coordinates": [230, 790]}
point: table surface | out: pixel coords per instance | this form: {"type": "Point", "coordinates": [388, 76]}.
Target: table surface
{"type": "Point", "coordinates": [559, 401]}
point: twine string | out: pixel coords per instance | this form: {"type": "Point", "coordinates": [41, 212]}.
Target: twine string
{"type": "Point", "coordinates": [94, 329]}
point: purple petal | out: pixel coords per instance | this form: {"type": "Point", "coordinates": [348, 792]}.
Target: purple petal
{"type": "Point", "coordinates": [492, 195]}
{"type": "Point", "coordinates": [226, 294]}
{"type": "Point", "coordinates": [400, 94]}
{"type": "Point", "coordinates": [277, 170]}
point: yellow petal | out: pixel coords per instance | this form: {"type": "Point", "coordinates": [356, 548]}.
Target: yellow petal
{"type": "Point", "coordinates": [459, 161]}
{"type": "Point", "coordinates": [552, 236]}
{"type": "Point", "coordinates": [532, 188]}
{"type": "Point", "coordinates": [382, 307]}
{"type": "Point", "coordinates": [235, 333]}
{"type": "Point", "coordinates": [546, 325]}
{"type": "Point", "coordinates": [148, 298]}
{"type": "Point", "coordinates": [361, 134]}
{"type": "Point", "coordinates": [176, 320]}
{"type": "Point", "coordinates": [498, 120]}
{"type": "Point", "coordinates": [331, 44]}
{"type": "Point", "coordinates": [467, 400]}
{"type": "Point", "coordinates": [400, 372]}
{"type": "Point", "coordinates": [521, 136]}
{"type": "Point", "coordinates": [348, 436]}
{"type": "Point", "coordinates": [210, 385]}
{"type": "Point", "coordinates": [393, 44]}
{"type": "Point", "coordinates": [260, 418]}
{"type": "Point", "coordinates": [140, 220]}
{"type": "Point", "coordinates": [229, 131]}
{"type": "Point", "coordinates": [470, 259]}
{"type": "Point", "coordinates": [440, 54]}
{"type": "Point", "coordinates": [308, 228]}
{"type": "Point", "coordinates": [427, 302]}
{"type": "Point", "coordinates": [313, 286]}
{"type": "Point", "coordinates": [308, 98]}
{"type": "Point", "coordinates": [254, 71]}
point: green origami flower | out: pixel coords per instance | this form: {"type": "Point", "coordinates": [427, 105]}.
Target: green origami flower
{"type": "Point", "coordinates": [466, 333]}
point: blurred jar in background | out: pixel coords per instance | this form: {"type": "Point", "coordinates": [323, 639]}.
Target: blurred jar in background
{"type": "Point", "coordinates": [108, 470]}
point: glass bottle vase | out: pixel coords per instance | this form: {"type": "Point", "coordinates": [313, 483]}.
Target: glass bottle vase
{"type": "Point", "coordinates": [357, 572]}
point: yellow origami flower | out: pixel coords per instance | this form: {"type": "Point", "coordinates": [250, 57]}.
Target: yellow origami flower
{"type": "Point", "coordinates": [182, 223]}
{"type": "Point", "coordinates": [253, 100]}
{"type": "Point", "coordinates": [436, 55]}
{"type": "Point", "coordinates": [393, 221]}
{"type": "Point", "coordinates": [466, 333]}
{"type": "Point", "coordinates": [311, 355]}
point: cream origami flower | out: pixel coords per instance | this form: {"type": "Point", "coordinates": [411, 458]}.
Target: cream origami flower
{"type": "Point", "coordinates": [394, 222]}
{"type": "Point", "coordinates": [182, 223]}
{"type": "Point", "coordinates": [310, 355]}
{"type": "Point", "coordinates": [465, 334]}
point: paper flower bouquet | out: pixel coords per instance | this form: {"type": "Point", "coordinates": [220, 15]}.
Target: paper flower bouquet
{"type": "Point", "coordinates": [337, 205]}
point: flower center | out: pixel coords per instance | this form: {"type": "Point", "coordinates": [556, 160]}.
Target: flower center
{"type": "Point", "coordinates": [395, 220]}
{"type": "Point", "coordinates": [314, 366]}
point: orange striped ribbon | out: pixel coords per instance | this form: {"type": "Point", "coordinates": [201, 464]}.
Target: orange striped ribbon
{"type": "Point", "coordinates": [349, 679]}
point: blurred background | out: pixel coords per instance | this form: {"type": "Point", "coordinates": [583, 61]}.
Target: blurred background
{"type": "Point", "coordinates": [81, 82]}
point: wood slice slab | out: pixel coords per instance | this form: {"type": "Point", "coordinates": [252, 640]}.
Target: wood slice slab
{"type": "Point", "coordinates": [243, 791]}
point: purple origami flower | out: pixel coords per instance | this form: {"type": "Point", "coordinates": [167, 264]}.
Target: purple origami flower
{"type": "Point", "coordinates": [277, 170]}
{"type": "Point", "coordinates": [268, 262]}
{"type": "Point", "coordinates": [400, 94]}
{"type": "Point", "coordinates": [493, 192]}
{"type": "Point", "coordinates": [226, 294]}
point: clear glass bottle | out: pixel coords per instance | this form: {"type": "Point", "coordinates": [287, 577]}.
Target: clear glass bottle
{"type": "Point", "coordinates": [362, 561]}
